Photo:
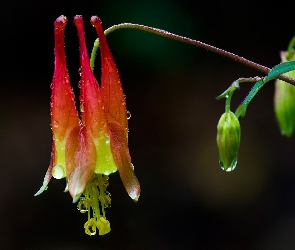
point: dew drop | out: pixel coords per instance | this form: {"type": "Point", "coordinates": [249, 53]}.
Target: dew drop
{"type": "Point", "coordinates": [55, 124]}
{"type": "Point", "coordinates": [128, 115]}
{"type": "Point", "coordinates": [82, 211]}
{"type": "Point", "coordinates": [229, 168]}
{"type": "Point", "coordinates": [58, 172]}
{"type": "Point", "coordinates": [107, 140]}
{"type": "Point", "coordinates": [82, 107]}
{"type": "Point", "coordinates": [106, 172]}
{"type": "Point", "coordinates": [82, 207]}
{"type": "Point", "coordinates": [91, 231]}
{"type": "Point", "coordinates": [80, 70]}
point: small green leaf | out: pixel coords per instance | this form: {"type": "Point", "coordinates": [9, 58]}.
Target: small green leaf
{"type": "Point", "coordinates": [241, 110]}
{"type": "Point", "coordinates": [280, 69]}
{"type": "Point", "coordinates": [254, 90]}
{"type": "Point", "coordinates": [223, 95]}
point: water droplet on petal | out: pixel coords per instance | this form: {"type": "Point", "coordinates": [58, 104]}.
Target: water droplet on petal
{"type": "Point", "coordinates": [128, 115]}
{"type": "Point", "coordinates": [82, 107]}
{"type": "Point", "coordinates": [106, 172]}
{"type": "Point", "coordinates": [81, 206]}
{"type": "Point", "coordinates": [107, 140]}
{"type": "Point", "coordinates": [55, 124]}
{"type": "Point", "coordinates": [58, 172]}
{"type": "Point", "coordinates": [80, 70]}
{"type": "Point", "coordinates": [91, 230]}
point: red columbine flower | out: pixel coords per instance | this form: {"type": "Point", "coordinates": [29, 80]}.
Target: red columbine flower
{"type": "Point", "coordinates": [86, 151]}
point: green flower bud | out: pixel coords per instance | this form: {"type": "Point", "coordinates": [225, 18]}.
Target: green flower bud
{"type": "Point", "coordinates": [228, 140]}
{"type": "Point", "coordinates": [284, 102]}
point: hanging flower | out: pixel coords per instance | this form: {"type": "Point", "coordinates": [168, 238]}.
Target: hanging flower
{"type": "Point", "coordinates": [85, 151]}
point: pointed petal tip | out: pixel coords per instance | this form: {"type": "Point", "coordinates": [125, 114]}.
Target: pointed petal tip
{"type": "Point", "coordinates": [134, 194]}
{"type": "Point", "coordinates": [47, 176]}
{"type": "Point", "coordinates": [135, 199]}
{"type": "Point", "coordinates": [76, 198]}
{"type": "Point", "coordinates": [41, 190]}
{"type": "Point", "coordinates": [75, 192]}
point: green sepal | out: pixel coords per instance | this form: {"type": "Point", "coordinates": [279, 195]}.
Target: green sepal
{"type": "Point", "coordinates": [241, 110]}
{"type": "Point", "coordinates": [224, 94]}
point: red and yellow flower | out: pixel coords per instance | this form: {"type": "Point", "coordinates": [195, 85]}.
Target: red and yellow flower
{"type": "Point", "coordinates": [86, 149]}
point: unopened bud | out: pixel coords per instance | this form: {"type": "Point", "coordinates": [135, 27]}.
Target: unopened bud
{"type": "Point", "coordinates": [284, 102]}
{"type": "Point", "coordinates": [228, 140]}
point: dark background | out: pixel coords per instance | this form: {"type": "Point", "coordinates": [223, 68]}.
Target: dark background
{"type": "Point", "coordinates": [187, 201]}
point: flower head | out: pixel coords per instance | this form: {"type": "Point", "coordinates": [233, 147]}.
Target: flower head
{"type": "Point", "coordinates": [85, 151]}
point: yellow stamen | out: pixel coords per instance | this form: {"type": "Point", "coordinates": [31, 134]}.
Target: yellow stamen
{"type": "Point", "coordinates": [94, 200]}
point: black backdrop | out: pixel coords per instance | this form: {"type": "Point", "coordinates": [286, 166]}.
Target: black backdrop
{"type": "Point", "coordinates": [187, 201]}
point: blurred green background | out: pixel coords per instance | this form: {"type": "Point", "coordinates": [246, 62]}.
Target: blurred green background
{"type": "Point", "coordinates": [187, 201]}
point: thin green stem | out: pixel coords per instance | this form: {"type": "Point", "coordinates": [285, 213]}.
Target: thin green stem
{"type": "Point", "coordinates": [93, 53]}
{"type": "Point", "coordinates": [228, 100]}
{"type": "Point", "coordinates": [211, 48]}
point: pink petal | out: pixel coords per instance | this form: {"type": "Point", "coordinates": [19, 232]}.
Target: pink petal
{"type": "Point", "coordinates": [122, 159]}
{"type": "Point", "coordinates": [80, 160]}
{"type": "Point", "coordinates": [48, 174]}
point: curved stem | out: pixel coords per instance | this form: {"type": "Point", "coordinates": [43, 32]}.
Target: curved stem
{"type": "Point", "coordinates": [93, 53]}
{"type": "Point", "coordinates": [211, 48]}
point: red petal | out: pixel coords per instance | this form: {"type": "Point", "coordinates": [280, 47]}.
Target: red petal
{"type": "Point", "coordinates": [64, 116]}
{"type": "Point", "coordinates": [122, 159]}
{"type": "Point", "coordinates": [93, 114]}
{"type": "Point", "coordinates": [112, 92]}
{"type": "Point", "coordinates": [80, 160]}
